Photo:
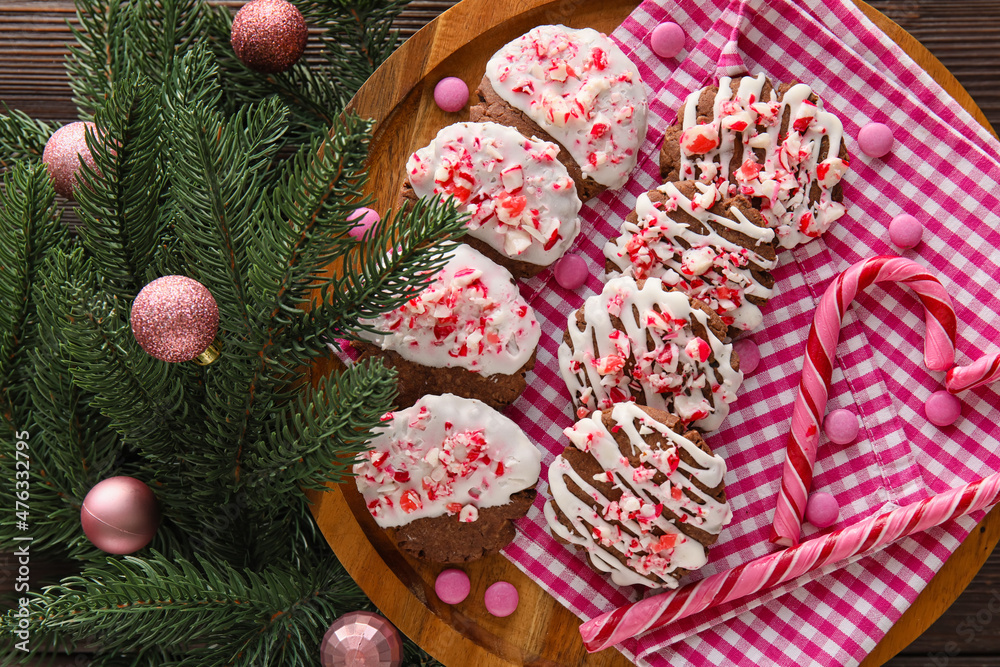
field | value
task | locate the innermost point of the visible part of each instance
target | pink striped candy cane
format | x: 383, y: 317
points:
x: 817, y: 371
x: 982, y: 371
x: 781, y: 566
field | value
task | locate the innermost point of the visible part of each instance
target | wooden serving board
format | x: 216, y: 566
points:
x: 399, y: 97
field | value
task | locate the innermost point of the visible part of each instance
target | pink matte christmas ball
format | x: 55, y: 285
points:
x: 451, y: 94
x: 119, y: 515
x: 667, y: 39
x: 875, y: 140
x: 362, y: 639
x: 174, y: 318
x: 62, y: 156
x: 269, y: 36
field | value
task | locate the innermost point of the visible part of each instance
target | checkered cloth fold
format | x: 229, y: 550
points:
x: 943, y: 170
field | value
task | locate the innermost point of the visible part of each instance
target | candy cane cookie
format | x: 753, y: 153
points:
x: 523, y: 205
x: 470, y: 333
x: 577, y: 89
x: 777, y: 146
x: 638, y: 341
x: 817, y: 371
x: 642, y: 495
x: 714, y: 248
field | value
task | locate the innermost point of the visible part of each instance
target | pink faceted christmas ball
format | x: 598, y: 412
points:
x: 269, y: 36
x: 174, y: 318
x: 361, y: 638
x: 120, y: 515
x: 62, y: 156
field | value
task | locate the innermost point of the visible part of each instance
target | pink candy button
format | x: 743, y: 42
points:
x: 452, y: 586
x: 875, y: 140
x: 841, y: 426
x: 905, y: 231
x: 501, y: 599
x: 365, y: 218
x: 667, y: 40
x: 571, y: 271
x: 451, y: 94
x: 942, y: 409
x: 822, y: 509
x: 749, y: 355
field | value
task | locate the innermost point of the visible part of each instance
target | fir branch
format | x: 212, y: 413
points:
x: 120, y: 200
x: 97, y: 59
x: 208, y: 612
x: 22, y: 139
x: 30, y: 229
x: 143, y: 398
x: 306, y: 231
x: 375, y: 281
x: 318, y: 441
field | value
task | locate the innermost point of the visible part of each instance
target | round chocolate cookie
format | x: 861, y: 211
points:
x: 575, y: 88
x: 447, y: 476
x: 522, y: 203
x: 715, y: 249
x: 642, y: 495
x: 642, y: 342
x: 470, y: 332
x: 776, y: 146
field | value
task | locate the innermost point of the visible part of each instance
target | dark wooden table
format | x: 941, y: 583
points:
x: 963, y: 34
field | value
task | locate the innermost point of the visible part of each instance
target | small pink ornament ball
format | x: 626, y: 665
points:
x: 501, y: 599
x: 749, y: 355
x: 269, y: 36
x: 875, y: 140
x: 571, y: 271
x: 364, y: 219
x: 361, y: 639
x: 943, y: 409
x: 667, y: 40
x: 120, y: 515
x: 175, y: 319
x: 841, y: 426
x: 62, y: 156
x: 822, y: 509
x: 451, y: 94
x: 452, y: 586
x: 905, y: 231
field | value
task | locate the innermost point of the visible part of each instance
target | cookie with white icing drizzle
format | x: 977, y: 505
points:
x: 573, y: 87
x: 777, y: 146
x: 447, y: 476
x: 642, y: 342
x: 640, y: 494
x: 470, y: 333
x: 715, y: 249
x: 523, y: 203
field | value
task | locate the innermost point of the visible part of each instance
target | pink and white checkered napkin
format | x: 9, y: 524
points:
x: 942, y: 170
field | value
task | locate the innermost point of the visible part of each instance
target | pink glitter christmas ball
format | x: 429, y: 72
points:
x: 174, y: 318
x: 269, y: 36
x: 62, y: 156
x: 120, y: 515
x: 361, y: 638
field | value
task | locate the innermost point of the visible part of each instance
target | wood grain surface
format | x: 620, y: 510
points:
x: 962, y: 34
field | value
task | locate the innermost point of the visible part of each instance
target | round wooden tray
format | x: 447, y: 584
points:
x: 399, y: 97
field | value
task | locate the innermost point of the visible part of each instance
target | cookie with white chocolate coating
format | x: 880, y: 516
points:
x: 641, y: 341
x: 777, y: 146
x: 642, y: 495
